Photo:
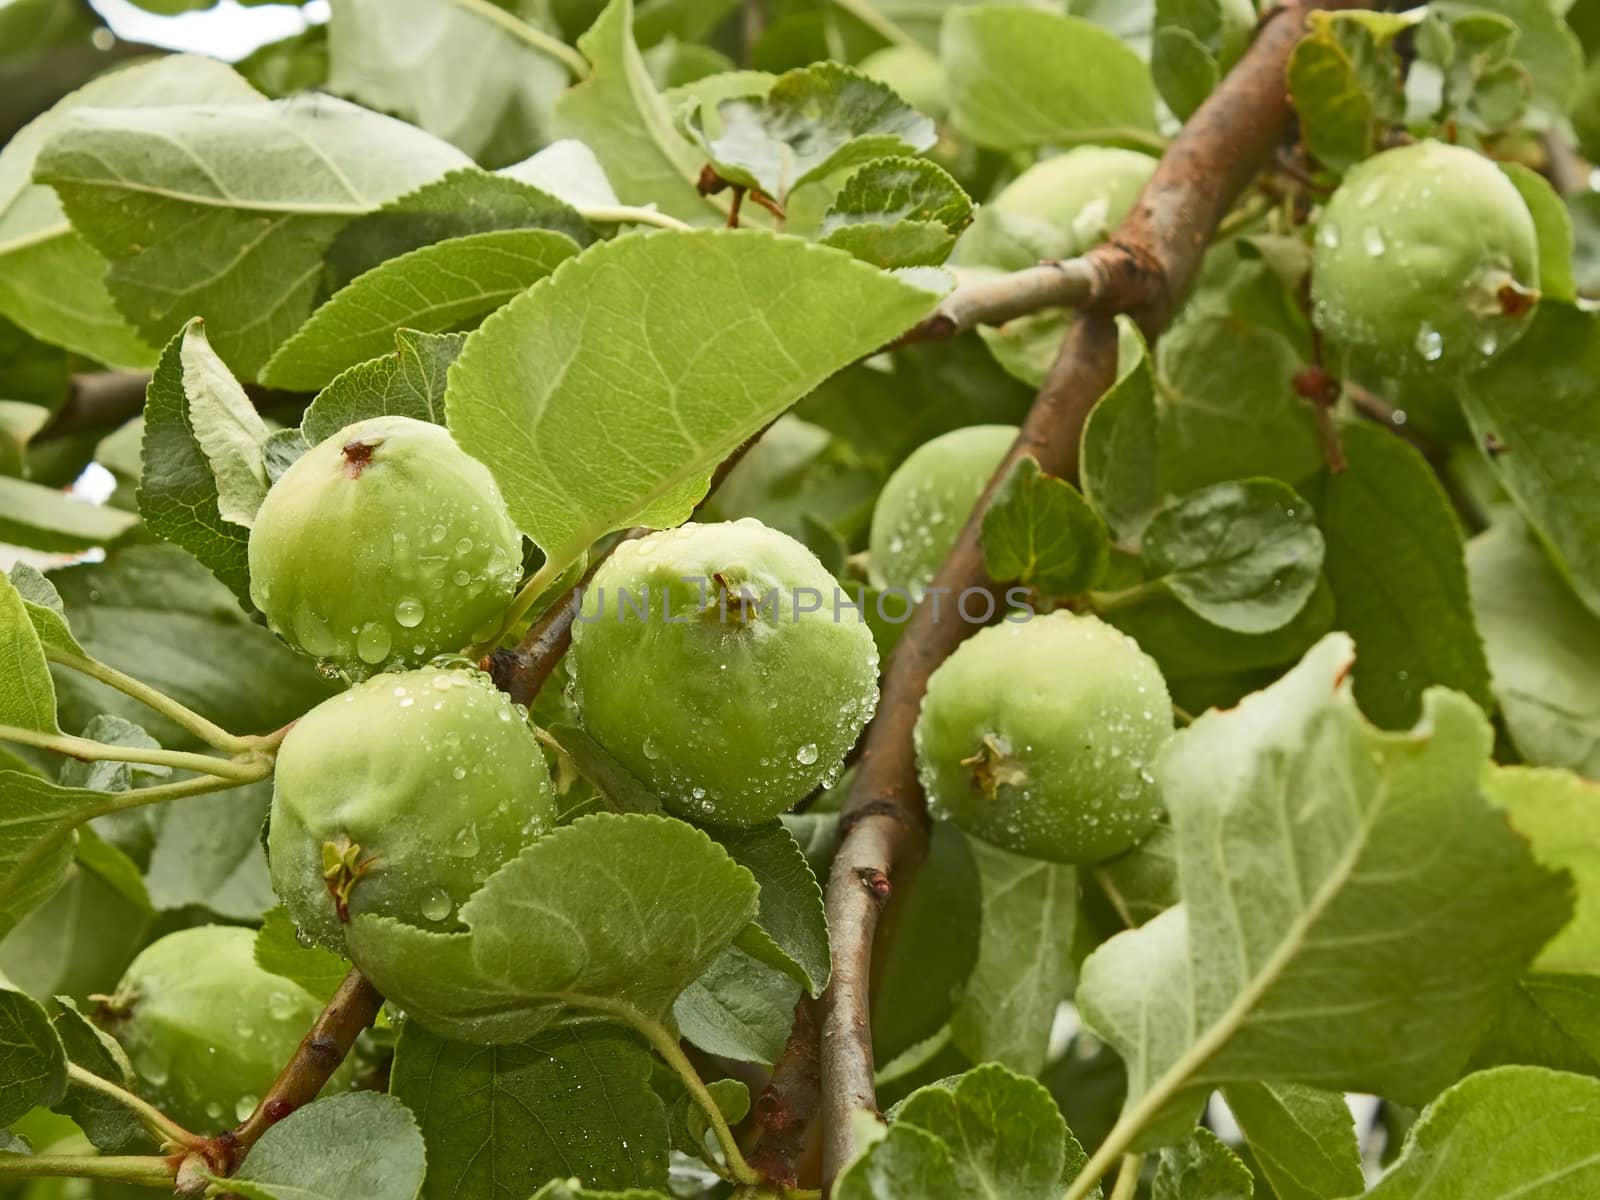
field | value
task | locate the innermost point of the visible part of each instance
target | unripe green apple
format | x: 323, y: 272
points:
x: 1057, y: 208
x: 1426, y: 261
x: 207, y: 1030
x: 927, y: 500
x: 383, y: 546
x: 711, y: 662
x: 1038, y: 736
x: 400, y: 797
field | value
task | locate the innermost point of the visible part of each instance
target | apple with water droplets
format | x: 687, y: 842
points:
x: 206, y: 1029
x: 1426, y: 262
x: 721, y: 665
x: 927, y: 500
x: 400, y: 797
x: 1039, y: 736
x: 383, y: 546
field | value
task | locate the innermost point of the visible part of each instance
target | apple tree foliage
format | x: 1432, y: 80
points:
x: 386, y: 336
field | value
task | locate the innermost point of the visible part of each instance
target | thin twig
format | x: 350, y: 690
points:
x: 1064, y: 283
x: 1147, y: 266
x: 156, y: 1122
x: 354, y: 1006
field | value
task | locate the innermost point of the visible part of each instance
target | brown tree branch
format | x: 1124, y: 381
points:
x: 1061, y: 283
x: 789, y: 1103
x: 354, y: 1006
x: 1144, y: 270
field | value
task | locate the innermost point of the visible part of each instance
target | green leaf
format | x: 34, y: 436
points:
x: 1345, y: 80
x: 1546, y: 49
x: 1202, y: 1168
x: 226, y: 428
x: 45, y: 609
x: 44, y: 518
x: 618, y: 113
x: 897, y: 212
x: 459, y: 204
x: 1025, y: 968
x: 1121, y: 464
x: 279, y: 950
x: 1023, y: 77
x: 154, y: 613
x: 813, y: 121
x: 1330, y: 872
x: 1500, y: 1133
x: 790, y: 931
x: 1004, y: 1133
x: 33, y: 1063
x: 887, y: 191
x: 178, y: 494
x: 208, y: 854
x: 570, y: 1102
x: 109, y: 1123
x: 907, y: 1164
x: 408, y: 382
x: 569, y: 171
x: 358, y: 1144
x: 441, y: 287
x: 691, y: 1129
x: 583, y: 440
x: 738, y: 1008
x: 1534, y: 411
x: 1039, y: 531
x: 1303, y: 1140
x: 1548, y: 1021
x: 1397, y: 568
x: 419, y: 76
x: 28, y: 701
x: 1184, y: 72
x: 1554, y: 226
x: 51, y: 278
x: 1543, y: 647
x: 612, y: 915
x: 1559, y: 814
x: 621, y: 790
x: 225, y: 214
x: 1243, y: 555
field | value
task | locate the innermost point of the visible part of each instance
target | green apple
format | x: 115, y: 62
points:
x: 206, y: 1029
x: 383, y: 546
x: 1038, y: 736
x: 400, y: 797
x: 1426, y: 262
x: 711, y: 661
x: 926, y: 501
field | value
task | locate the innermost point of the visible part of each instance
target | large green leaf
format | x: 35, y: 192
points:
x: 1543, y: 647
x: 1024, y: 967
x: 619, y: 114
x: 45, y: 518
x: 811, y: 122
x: 570, y: 1102
x: 409, y: 382
x: 225, y: 214
x: 1303, y: 1140
x: 1535, y: 409
x: 1559, y: 814
x: 28, y: 701
x: 1330, y: 874
x: 36, y: 839
x: 33, y: 1063
x: 50, y: 277
x: 612, y: 915
x: 1201, y: 1168
x: 790, y: 931
x: 1512, y: 1131
x: 1023, y: 77
x: 358, y: 1144
x: 1244, y: 555
x: 1397, y: 568
x: 724, y: 329
x: 448, y: 285
x: 1039, y: 531
x: 412, y: 58
x: 738, y: 1008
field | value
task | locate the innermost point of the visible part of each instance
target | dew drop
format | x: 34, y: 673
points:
x: 464, y: 546
x: 436, y: 905
x: 465, y: 844
x: 1429, y: 343
x: 462, y: 578
x: 1328, y: 234
x: 408, y: 612
x: 458, y: 774
x: 373, y: 643
x: 1372, y: 239
x: 246, y: 1105
x: 807, y: 754
x: 651, y: 750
